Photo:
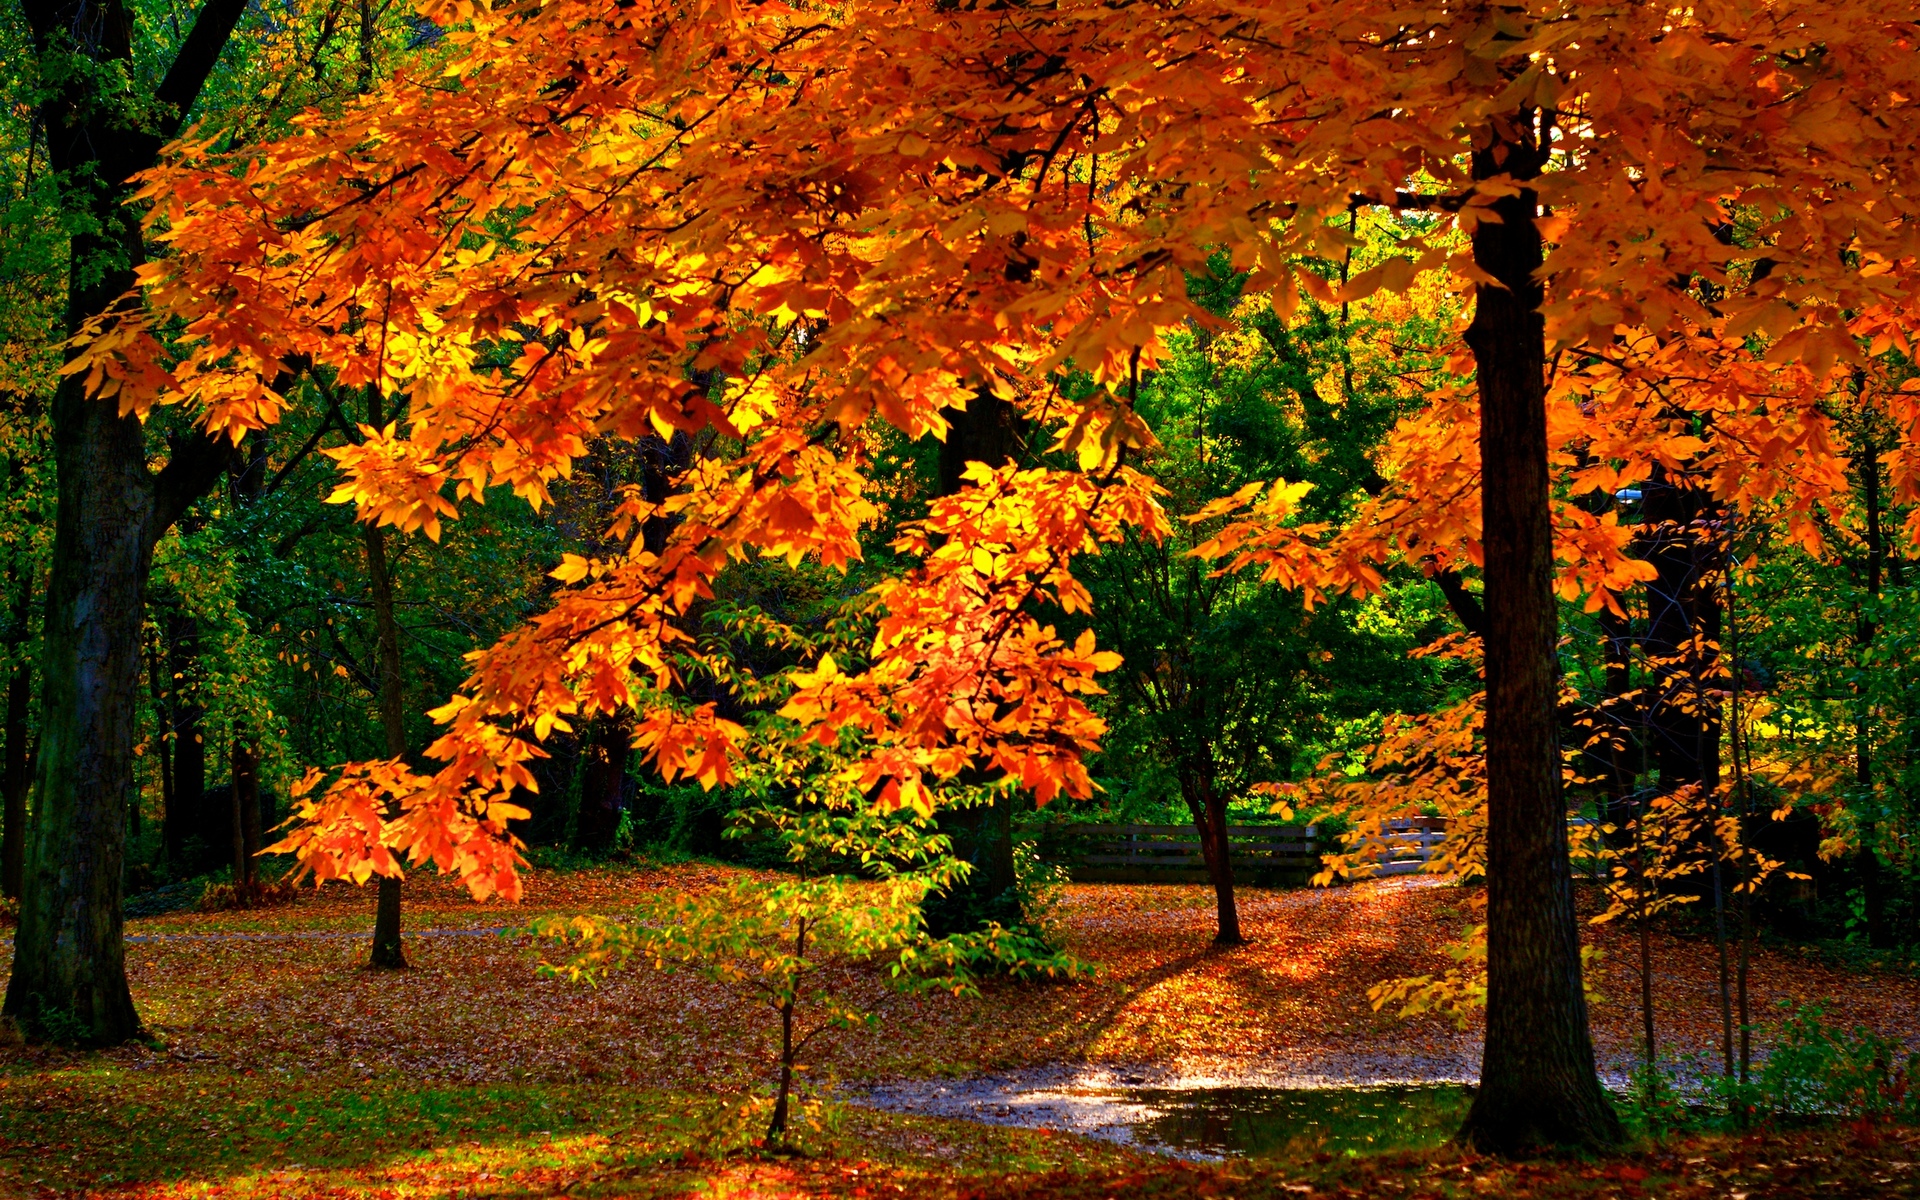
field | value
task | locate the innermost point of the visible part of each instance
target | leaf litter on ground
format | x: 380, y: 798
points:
x: 472, y: 1053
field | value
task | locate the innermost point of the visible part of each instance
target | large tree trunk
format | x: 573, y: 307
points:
x: 1538, y: 1085
x: 983, y: 835
x: 69, y: 976
x: 69, y: 979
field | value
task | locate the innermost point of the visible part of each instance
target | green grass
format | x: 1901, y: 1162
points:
x: 93, y: 1123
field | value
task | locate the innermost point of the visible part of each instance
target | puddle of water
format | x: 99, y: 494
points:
x: 1261, y: 1122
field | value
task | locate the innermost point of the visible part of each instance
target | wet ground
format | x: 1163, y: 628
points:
x: 1196, y: 1117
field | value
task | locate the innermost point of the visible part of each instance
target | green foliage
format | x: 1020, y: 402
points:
x: 1250, y: 399
x: 1814, y: 1069
x: 1040, y: 887
x: 1652, y: 1104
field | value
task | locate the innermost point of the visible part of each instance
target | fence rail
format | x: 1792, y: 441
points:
x: 1411, y: 844
x: 1261, y: 854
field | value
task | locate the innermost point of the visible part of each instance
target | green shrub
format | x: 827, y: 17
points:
x: 1817, y: 1070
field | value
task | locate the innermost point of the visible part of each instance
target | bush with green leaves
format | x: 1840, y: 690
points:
x: 1812, y: 1070
x: 1816, y: 1069
x: 856, y: 880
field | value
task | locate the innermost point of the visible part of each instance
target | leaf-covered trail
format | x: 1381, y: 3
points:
x: 1291, y: 1005
x: 287, y: 1071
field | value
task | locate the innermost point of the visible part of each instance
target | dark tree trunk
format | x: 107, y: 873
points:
x: 186, y: 819
x: 162, y: 742
x: 1648, y: 1044
x: 554, y: 774
x: 987, y: 432
x: 246, y: 810
x: 69, y: 978
x: 603, y: 786
x: 16, y: 769
x: 777, y: 1125
x: 387, y: 953
x: 1538, y: 1085
x: 69, y: 974
x: 1683, y: 632
x: 17, y: 782
x: 1617, y: 722
x: 662, y: 462
x: 1867, y: 861
x: 1209, y: 808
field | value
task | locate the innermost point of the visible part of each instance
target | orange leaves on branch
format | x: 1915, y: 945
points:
x: 1288, y: 554
x: 697, y: 746
x: 393, y: 481
x: 776, y: 226
x: 377, y: 812
x: 962, y: 672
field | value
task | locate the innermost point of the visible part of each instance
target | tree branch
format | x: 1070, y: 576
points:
x: 1413, y: 201
x: 196, y: 462
x: 1463, y: 602
x: 196, y: 59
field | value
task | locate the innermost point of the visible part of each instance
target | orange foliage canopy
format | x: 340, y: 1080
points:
x: 782, y: 221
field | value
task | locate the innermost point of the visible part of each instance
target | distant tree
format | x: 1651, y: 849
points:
x: 1226, y: 682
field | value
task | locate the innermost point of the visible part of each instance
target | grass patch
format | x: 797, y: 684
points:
x: 92, y: 1125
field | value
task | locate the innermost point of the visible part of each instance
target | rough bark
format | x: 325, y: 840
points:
x: 69, y: 978
x: 982, y: 835
x: 1538, y: 1085
x: 69, y: 975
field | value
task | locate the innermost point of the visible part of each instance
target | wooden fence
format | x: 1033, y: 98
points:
x: 1411, y: 844
x: 1262, y: 855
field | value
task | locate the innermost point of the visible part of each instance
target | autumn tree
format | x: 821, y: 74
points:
x: 611, y: 211
x: 106, y: 85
